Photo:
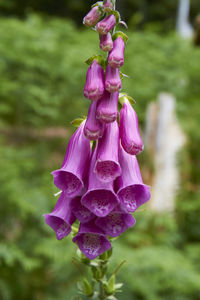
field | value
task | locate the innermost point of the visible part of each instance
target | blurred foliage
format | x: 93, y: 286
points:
x: 42, y: 77
x: 139, y: 13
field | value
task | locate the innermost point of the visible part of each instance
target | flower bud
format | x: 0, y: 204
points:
x: 108, y: 4
x: 129, y: 129
x: 93, y: 129
x: 107, y: 166
x: 91, y: 240
x: 112, y: 79
x: 116, y: 55
x: 94, y: 87
x: 104, y: 26
x: 107, y: 108
x: 132, y: 192
x: 69, y: 177
x: 106, y: 42
x: 92, y: 17
x: 61, y: 218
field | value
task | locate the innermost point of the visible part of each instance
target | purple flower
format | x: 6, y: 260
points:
x: 69, y: 177
x: 108, y: 4
x: 94, y: 87
x: 61, y: 218
x: 91, y: 240
x: 115, y: 223
x: 107, y: 109
x: 106, y: 42
x: 104, y: 26
x: 131, y: 191
x: 93, y: 129
x: 81, y: 212
x: 107, y: 167
x: 92, y: 17
x: 100, y: 197
x: 129, y: 130
x: 116, y: 55
x: 112, y: 79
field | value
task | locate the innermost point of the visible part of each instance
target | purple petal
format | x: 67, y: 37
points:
x: 69, y: 177
x: 131, y: 191
x: 100, y: 198
x: 61, y: 218
x: 129, y: 130
x: 93, y: 129
x: 112, y: 79
x: 106, y: 42
x: 104, y: 26
x: 115, y: 223
x: 81, y: 212
x: 107, y: 166
x: 94, y: 86
x: 107, y: 109
x: 116, y: 55
x: 91, y: 240
x: 92, y: 17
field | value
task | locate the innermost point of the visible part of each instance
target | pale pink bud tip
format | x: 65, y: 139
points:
x: 104, y: 26
x: 92, y: 17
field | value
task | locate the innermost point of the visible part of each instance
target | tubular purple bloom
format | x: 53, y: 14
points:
x: 94, y: 86
x: 112, y: 79
x: 91, y: 240
x: 115, y: 223
x: 116, y: 55
x: 129, y: 130
x: 107, y: 166
x: 131, y: 191
x: 107, y: 109
x: 106, y: 42
x: 81, y: 212
x: 69, y: 177
x: 104, y: 26
x: 100, y: 197
x: 93, y: 129
x: 92, y: 17
x: 61, y: 218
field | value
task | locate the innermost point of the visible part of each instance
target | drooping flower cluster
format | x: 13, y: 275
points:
x: 100, y: 179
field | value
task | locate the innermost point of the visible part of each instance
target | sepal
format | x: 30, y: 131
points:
x: 123, y: 97
x: 117, y: 16
x: 120, y: 34
x: 98, y: 58
x: 77, y: 122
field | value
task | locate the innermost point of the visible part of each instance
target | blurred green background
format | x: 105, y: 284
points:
x: 43, y: 46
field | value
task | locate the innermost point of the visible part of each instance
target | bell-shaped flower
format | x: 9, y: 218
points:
x: 92, y: 17
x: 112, y: 79
x: 83, y: 214
x: 106, y: 25
x: 93, y: 129
x: 61, y: 218
x: 107, y: 108
x: 94, y: 86
x: 91, y: 240
x: 116, y: 55
x: 131, y: 190
x: 100, y: 198
x: 107, y: 167
x: 69, y: 177
x: 129, y: 129
x: 115, y: 223
x: 106, y: 42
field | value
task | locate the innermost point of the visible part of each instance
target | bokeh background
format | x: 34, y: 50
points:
x: 43, y: 46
